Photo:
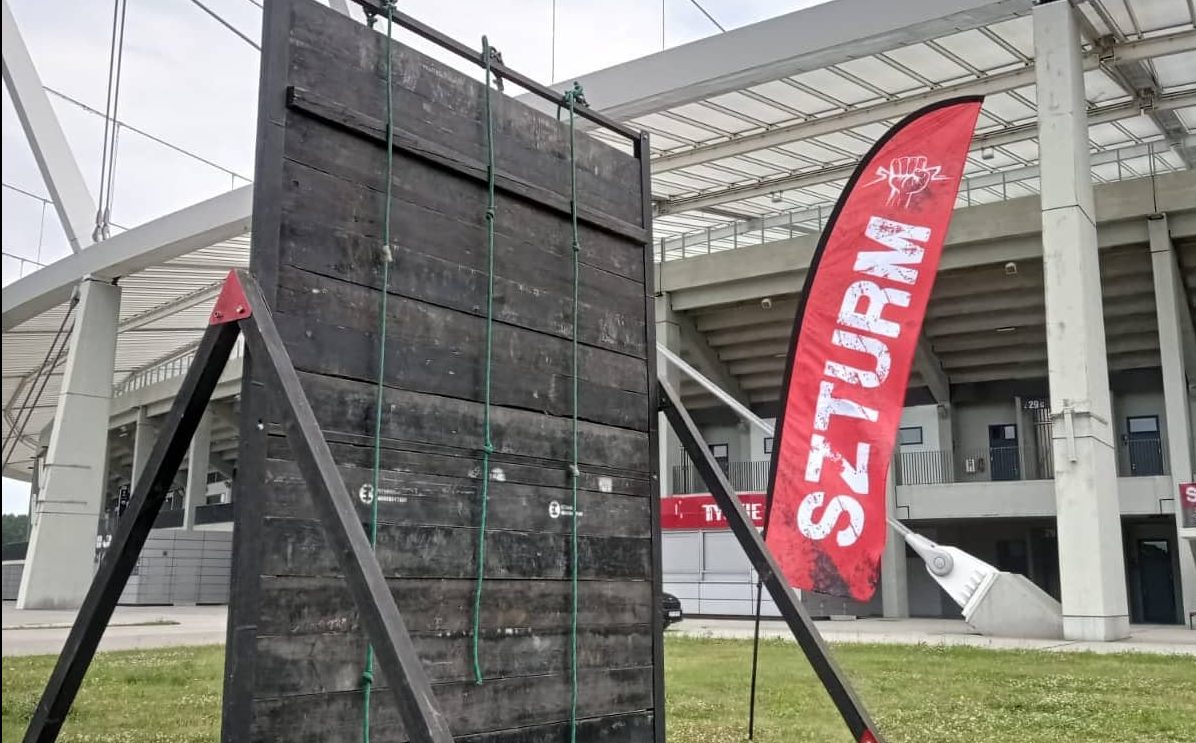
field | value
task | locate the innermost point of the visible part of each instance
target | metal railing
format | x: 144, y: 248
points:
x: 1144, y: 457
x: 176, y: 366
x: 1026, y: 461
x: 811, y: 219
x: 743, y: 476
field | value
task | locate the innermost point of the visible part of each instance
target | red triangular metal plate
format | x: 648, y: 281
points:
x: 231, y: 305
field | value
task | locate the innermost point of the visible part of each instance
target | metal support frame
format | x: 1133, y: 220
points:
x: 68, y: 191
x: 832, y: 677
x: 334, y: 507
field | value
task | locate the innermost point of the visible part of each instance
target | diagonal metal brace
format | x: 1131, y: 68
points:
x: 832, y: 677
x: 379, y: 614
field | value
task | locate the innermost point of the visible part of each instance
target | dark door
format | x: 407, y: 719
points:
x: 1145, y: 445
x: 1002, y: 452
x: 1044, y: 545
x: 1157, y: 581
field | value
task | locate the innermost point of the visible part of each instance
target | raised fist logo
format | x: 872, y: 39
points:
x: 907, y: 176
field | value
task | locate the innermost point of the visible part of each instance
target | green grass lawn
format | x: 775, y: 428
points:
x: 916, y: 694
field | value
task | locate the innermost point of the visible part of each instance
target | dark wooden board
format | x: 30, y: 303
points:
x: 447, y: 107
x: 434, y: 350
x: 296, y: 642
x: 460, y: 202
x: 345, y: 405
x: 298, y: 547
x: 333, y: 235
x: 298, y: 605
x: 497, y: 705
x: 327, y: 663
x: 422, y: 459
x: 440, y: 500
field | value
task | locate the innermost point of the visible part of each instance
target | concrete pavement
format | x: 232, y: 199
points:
x: 133, y: 627
x: 1162, y: 639
x: 38, y: 632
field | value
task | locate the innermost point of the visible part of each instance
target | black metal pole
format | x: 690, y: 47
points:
x: 376, y: 606
x: 833, y: 680
x: 131, y: 532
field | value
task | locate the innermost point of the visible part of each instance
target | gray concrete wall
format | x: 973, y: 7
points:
x: 1138, y: 496
x: 12, y: 578
x: 181, y: 566
x: 972, y: 420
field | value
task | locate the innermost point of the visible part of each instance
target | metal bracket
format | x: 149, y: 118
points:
x: 379, y: 614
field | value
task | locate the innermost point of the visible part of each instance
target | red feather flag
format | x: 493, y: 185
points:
x: 856, y: 330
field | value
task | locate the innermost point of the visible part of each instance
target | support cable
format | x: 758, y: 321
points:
x: 41, y: 377
x: 220, y: 19
x: 487, y: 441
x: 151, y: 137
x: 116, y: 55
x: 709, y: 17
x: 367, y: 674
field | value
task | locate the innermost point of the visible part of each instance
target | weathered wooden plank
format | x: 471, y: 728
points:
x: 438, y: 500
x: 299, y: 547
x: 297, y: 605
x: 306, y: 664
x: 458, y: 203
x: 333, y: 235
x: 446, y: 106
x: 349, y: 406
x: 369, y: 127
x: 634, y: 727
x: 496, y: 705
x: 425, y: 459
x: 439, y: 351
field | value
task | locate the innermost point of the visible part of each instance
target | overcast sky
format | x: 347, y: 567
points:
x: 191, y: 82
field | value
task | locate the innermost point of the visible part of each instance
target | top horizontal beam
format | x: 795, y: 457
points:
x: 804, y: 40
x: 197, y: 226
x: 541, y: 91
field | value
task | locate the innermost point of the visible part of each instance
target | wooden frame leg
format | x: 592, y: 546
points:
x: 131, y: 532
x: 379, y: 613
x: 795, y: 615
x: 332, y: 502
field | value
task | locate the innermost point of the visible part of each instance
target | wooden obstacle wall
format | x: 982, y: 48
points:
x: 296, y: 651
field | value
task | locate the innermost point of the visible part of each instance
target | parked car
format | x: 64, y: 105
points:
x: 671, y: 606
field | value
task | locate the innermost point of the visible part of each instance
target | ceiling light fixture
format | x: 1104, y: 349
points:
x: 1006, y: 329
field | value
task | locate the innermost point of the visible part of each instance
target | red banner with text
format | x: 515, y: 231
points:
x: 701, y: 512
x: 855, y: 336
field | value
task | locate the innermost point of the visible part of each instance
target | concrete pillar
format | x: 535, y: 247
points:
x: 668, y: 334
x: 144, y: 436
x: 1170, y: 302
x: 197, y: 470
x: 894, y: 577
x: 1091, y: 559
x: 61, y: 557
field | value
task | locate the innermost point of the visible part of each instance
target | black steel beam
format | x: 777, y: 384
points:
x: 131, y: 532
x: 501, y: 70
x: 334, y: 506
x: 794, y: 614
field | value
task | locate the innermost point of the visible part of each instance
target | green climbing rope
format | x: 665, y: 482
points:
x: 487, y: 442
x: 574, y: 98
x: 367, y: 674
